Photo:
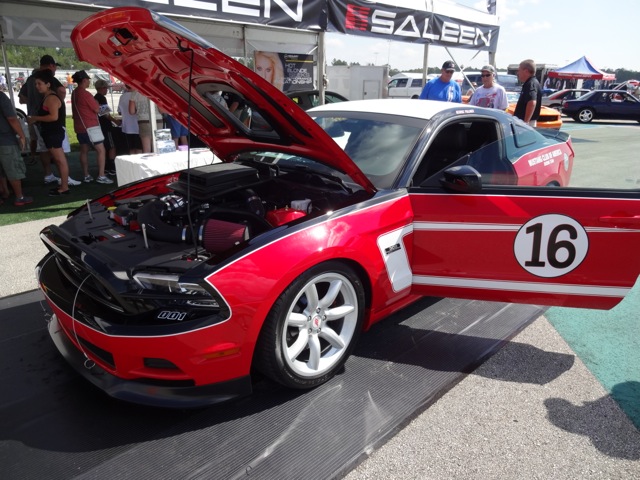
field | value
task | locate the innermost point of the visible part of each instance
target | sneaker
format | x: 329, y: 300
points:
x: 104, y: 179
x: 55, y: 193
x: 23, y: 201
x: 51, y: 179
x: 88, y: 179
x: 111, y: 173
x: 71, y: 182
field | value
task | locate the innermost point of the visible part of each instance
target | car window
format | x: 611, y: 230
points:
x: 476, y: 143
x: 398, y: 82
x: 510, y: 82
x: 378, y: 147
x: 328, y: 98
x: 416, y: 82
x: 523, y: 135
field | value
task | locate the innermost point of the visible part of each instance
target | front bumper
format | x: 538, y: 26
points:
x: 146, y: 393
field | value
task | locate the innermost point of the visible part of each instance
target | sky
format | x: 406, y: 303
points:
x: 547, y: 31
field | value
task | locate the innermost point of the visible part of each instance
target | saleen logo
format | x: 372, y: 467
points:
x: 386, y: 22
x: 251, y: 8
x: 169, y: 315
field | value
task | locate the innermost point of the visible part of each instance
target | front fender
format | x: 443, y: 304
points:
x: 253, y: 283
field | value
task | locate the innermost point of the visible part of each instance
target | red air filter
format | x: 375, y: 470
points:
x: 218, y: 235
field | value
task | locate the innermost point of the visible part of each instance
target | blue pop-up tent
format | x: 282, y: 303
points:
x: 581, y: 69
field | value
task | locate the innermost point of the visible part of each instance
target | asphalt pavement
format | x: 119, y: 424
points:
x: 517, y: 416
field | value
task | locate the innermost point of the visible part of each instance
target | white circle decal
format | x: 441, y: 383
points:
x: 551, y: 245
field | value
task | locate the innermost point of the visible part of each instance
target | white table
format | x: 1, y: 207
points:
x: 130, y: 168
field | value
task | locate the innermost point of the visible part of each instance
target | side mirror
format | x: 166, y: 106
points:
x: 463, y: 179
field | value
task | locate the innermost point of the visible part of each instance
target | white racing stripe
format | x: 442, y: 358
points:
x: 534, y: 287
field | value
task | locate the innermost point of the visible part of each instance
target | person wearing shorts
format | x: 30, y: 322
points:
x: 12, y: 141
x: 50, y: 119
x: 85, y: 110
x: 129, y: 123
x: 106, y: 122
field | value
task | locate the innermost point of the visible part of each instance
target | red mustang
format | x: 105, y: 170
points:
x: 172, y: 290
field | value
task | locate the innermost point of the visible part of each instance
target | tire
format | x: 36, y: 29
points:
x: 585, y: 115
x: 312, y: 327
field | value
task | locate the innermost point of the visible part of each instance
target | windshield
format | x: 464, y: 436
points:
x: 379, y: 148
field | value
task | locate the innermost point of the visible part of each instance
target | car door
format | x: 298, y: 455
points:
x: 544, y: 246
x: 478, y: 238
x: 628, y: 108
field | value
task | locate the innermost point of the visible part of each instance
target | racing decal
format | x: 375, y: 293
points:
x: 395, y: 257
x: 550, y: 246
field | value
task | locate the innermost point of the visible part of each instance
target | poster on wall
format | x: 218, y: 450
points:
x: 288, y: 72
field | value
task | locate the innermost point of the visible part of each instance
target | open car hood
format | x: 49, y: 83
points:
x: 175, y: 68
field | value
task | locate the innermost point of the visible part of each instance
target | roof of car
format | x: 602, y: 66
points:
x: 424, y: 109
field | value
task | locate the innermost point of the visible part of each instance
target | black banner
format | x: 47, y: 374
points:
x: 358, y: 17
x: 301, y: 14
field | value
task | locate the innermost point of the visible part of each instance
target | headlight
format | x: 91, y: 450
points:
x: 171, y: 284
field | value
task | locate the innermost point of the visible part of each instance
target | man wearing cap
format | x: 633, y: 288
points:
x: 443, y: 88
x: 33, y: 99
x: 528, y: 106
x: 490, y: 94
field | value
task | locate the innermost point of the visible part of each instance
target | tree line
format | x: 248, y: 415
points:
x: 622, y: 74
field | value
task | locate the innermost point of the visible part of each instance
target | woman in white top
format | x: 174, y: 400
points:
x: 140, y: 106
x: 129, y: 123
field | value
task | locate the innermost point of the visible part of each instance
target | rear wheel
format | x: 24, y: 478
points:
x: 585, y: 115
x: 313, y: 327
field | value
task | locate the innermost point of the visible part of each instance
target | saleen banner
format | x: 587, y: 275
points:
x: 357, y: 17
x: 299, y: 14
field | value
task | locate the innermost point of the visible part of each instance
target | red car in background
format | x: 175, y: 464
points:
x: 174, y: 290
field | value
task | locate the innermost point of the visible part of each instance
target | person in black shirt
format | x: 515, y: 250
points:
x: 30, y: 96
x: 51, y: 119
x: 106, y: 122
x: 530, y: 101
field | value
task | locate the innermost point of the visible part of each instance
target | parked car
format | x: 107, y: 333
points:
x: 174, y: 290
x: 603, y: 105
x: 311, y: 98
x: 556, y: 99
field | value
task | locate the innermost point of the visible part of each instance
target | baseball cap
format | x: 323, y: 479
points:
x: 488, y: 68
x: 79, y: 76
x: 102, y: 84
x: 448, y: 65
x: 48, y: 60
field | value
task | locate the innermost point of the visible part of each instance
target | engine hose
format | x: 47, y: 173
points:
x: 150, y: 214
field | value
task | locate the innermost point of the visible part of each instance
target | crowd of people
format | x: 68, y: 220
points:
x: 490, y: 94
x: 94, y: 124
x: 93, y: 121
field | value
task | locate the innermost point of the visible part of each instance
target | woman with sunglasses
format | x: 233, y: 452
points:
x: 490, y: 94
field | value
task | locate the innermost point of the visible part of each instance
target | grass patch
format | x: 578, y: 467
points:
x: 43, y: 205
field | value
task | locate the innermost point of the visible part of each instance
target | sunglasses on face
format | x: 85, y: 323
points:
x: 485, y: 75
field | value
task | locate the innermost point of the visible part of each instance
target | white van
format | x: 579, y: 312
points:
x: 406, y: 85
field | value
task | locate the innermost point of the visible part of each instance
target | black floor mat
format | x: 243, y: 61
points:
x: 54, y: 425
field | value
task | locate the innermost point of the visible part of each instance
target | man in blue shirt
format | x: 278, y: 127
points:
x: 443, y: 88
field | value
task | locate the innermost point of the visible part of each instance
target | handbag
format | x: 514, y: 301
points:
x: 95, y: 133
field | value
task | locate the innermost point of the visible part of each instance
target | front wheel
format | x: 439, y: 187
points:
x: 313, y: 327
x: 585, y: 115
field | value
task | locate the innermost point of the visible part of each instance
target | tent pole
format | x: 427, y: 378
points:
x: 425, y: 63
x: 322, y: 74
